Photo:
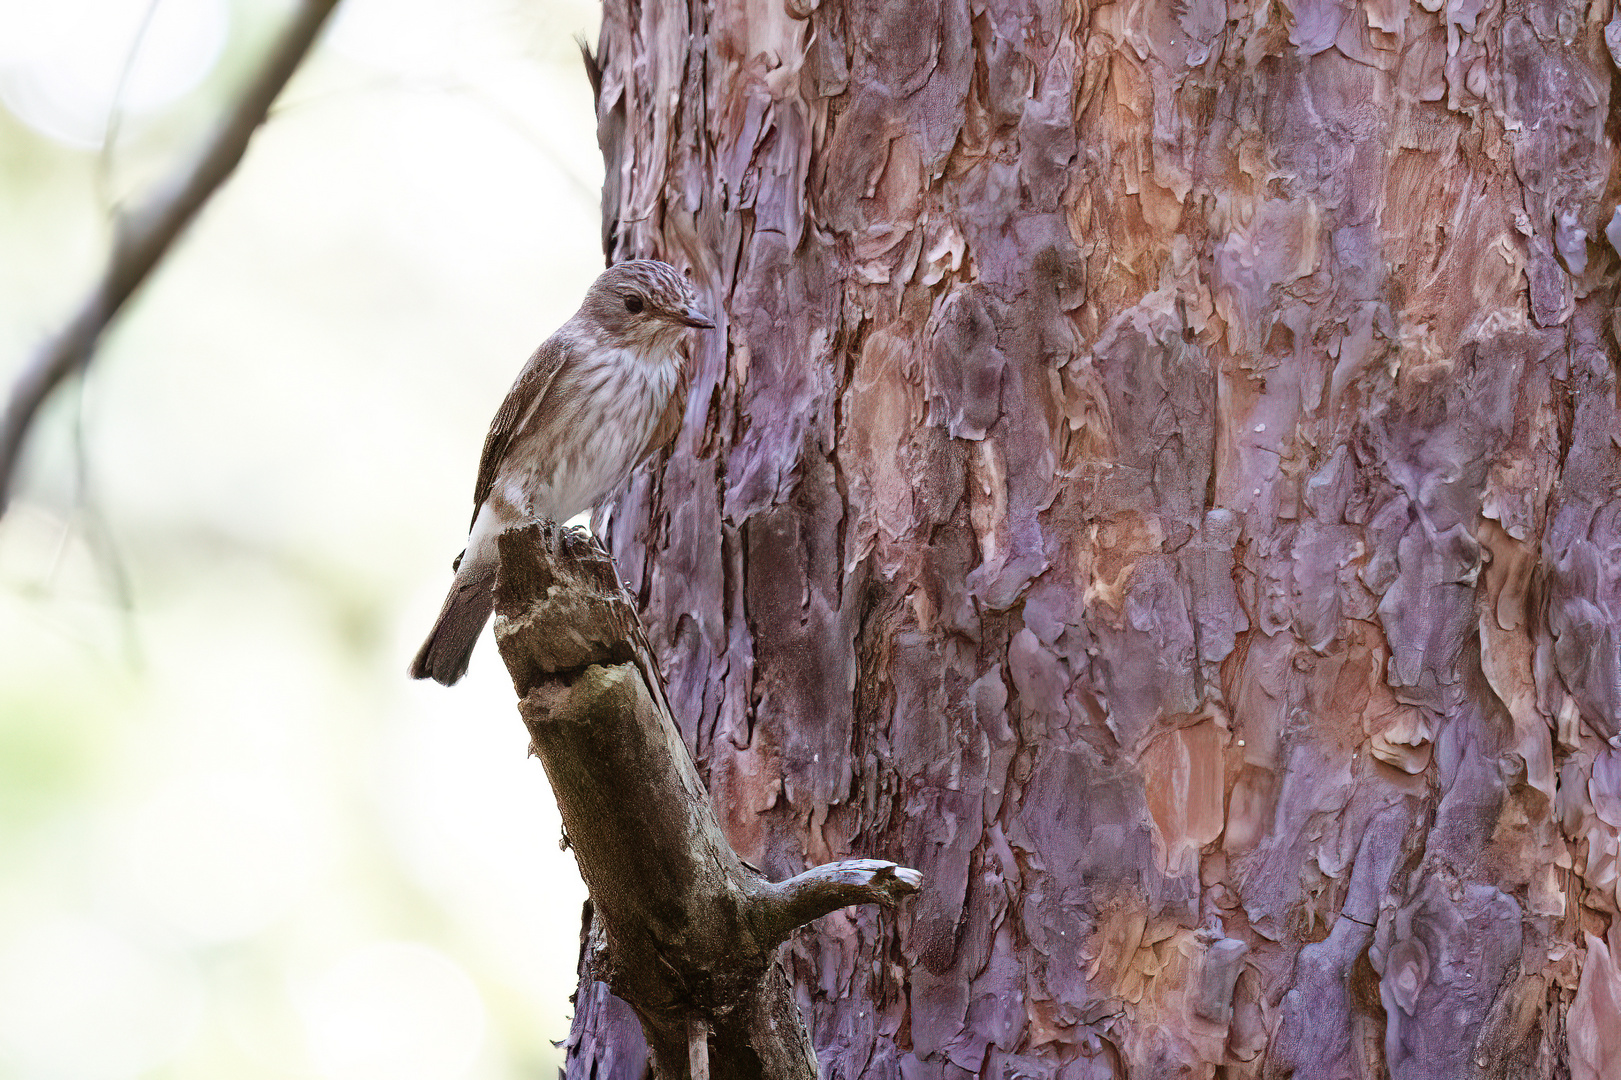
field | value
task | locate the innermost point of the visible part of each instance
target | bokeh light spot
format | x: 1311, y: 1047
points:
x: 394, y: 1011
x: 61, y: 63
x: 79, y: 1000
x: 224, y: 856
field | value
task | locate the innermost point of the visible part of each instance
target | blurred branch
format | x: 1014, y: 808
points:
x: 115, y: 114
x: 144, y: 236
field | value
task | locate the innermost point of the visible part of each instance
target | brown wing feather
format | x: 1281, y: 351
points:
x: 527, y: 390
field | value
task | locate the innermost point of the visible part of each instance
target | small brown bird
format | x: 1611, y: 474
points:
x: 607, y: 389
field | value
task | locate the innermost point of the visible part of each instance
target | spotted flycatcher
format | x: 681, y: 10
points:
x: 607, y: 389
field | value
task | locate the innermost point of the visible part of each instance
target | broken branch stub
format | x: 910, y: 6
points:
x: 691, y: 930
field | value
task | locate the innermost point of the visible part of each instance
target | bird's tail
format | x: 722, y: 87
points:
x: 443, y: 657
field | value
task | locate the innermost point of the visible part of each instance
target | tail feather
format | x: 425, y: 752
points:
x: 443, y: 657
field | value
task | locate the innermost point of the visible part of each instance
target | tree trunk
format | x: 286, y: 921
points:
x: 1158, y: 477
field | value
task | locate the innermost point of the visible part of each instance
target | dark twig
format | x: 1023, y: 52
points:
x: 787, y: 905
x: 142, y: 237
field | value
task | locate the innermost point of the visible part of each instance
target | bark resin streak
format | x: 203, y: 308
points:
x: 1159, y: 480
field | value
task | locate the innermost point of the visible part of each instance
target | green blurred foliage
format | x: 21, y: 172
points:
x: 234, y: 840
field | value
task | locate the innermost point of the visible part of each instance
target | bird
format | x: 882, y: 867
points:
x: 607, y: 389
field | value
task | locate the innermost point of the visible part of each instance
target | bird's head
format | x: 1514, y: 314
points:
x: 643, y: 304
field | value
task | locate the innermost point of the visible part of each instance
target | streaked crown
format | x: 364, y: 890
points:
x: 644, y: 303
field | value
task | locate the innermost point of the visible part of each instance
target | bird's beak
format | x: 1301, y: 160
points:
x: 695, y: 318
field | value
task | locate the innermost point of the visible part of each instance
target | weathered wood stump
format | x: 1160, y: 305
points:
x: 680, y: 928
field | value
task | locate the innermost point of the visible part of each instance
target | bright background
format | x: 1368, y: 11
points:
x: 235, y: 840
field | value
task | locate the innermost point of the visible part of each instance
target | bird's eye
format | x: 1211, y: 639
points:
x: 633, y: 304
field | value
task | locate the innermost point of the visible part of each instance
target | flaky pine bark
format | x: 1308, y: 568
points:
x: 1159, y: 478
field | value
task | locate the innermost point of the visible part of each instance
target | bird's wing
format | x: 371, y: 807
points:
x: 675, y: 411
x: 527, y: 392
